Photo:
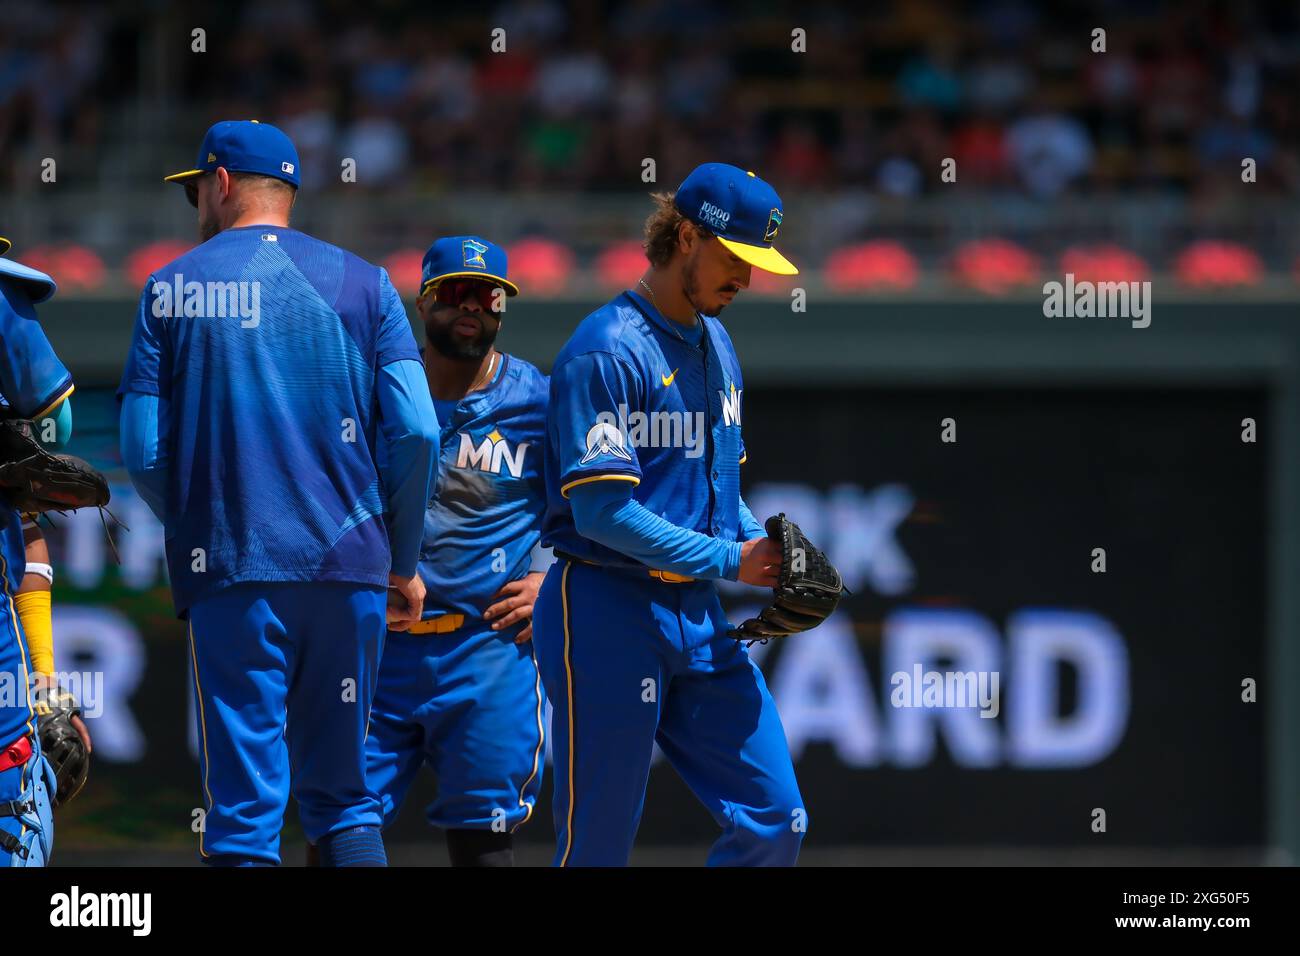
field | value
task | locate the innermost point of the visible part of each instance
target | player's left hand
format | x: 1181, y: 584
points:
x: 514, y: 602
x: 44, y: 684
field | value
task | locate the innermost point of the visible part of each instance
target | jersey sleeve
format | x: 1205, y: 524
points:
x: 750, y: 527
x: 396, y: 341
x: 144, y: 363
x: 32, y: 378
x: 542, y: 397
x: 590, y: 395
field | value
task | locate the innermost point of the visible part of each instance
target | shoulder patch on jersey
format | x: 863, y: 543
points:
x: 605, y: 438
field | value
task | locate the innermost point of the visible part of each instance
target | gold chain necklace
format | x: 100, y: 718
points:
x: 492, y: 363
x: 671, y: 324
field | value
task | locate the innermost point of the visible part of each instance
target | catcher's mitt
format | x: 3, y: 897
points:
x: 807, y: 591
x: 34, y: 480
x: 61, y: 745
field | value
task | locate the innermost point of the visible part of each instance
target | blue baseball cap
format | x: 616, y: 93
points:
x: 245, y: 146
x: 743, y: 211
x: 458, y: 256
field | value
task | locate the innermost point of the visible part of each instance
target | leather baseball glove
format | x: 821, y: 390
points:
x: 807, y: 591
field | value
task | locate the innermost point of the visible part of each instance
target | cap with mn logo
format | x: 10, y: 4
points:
x: 245, y: 146
x: 743, y: 211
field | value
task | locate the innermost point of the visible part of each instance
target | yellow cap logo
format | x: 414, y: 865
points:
x: 212, y: 157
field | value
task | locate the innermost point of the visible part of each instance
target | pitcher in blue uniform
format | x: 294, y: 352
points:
x: 33, y: 384
x: 644, y: 513
x: 274, y: 413
x: 460, y: 689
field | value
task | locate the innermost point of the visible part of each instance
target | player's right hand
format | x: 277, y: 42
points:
x: 405, y: 601
x: 760, y: 562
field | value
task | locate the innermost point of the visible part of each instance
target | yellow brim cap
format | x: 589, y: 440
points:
x: 762, y: 257
x: 181, y: 177
x: 5, y: 245
x: 510, y: 287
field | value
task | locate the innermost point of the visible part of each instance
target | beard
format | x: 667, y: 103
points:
x: 447, y: 344
x: 207, y: 228
x: 691, y: 289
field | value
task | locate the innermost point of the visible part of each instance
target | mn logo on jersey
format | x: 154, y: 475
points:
x: 605, y: 438
x: 473, y: 251
x: 773, y: 224
x: 491, y: 453
x: 730, y: 405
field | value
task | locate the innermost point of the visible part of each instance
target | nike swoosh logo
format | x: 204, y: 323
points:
x: 668, y: 379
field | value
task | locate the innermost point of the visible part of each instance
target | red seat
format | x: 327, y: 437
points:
x: 149, y: 259
x: 994, y: 266
x: 618, y: 266
x: 540, y: 266
x: 75, y: 268
x: 1211, y: 264
x: 878, y: 264
x: 404, y: 269
x: 1104, y: 262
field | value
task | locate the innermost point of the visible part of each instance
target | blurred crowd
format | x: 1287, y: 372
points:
x: 584, y: 92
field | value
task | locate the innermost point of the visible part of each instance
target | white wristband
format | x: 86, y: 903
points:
x: 44, y: 570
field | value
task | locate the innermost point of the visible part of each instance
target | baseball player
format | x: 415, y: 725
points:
x: 644, y: 513
x: 273, y: 405
x: 460, y: 689
x: 33, y: 384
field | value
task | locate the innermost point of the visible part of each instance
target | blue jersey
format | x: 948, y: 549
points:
x: 32, y: 381
x: 265, y: 345
x: 632, y: 400
x: 485, y: 516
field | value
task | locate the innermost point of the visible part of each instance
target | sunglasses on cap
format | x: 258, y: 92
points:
x: 192, y: 190
x: 455, y: 291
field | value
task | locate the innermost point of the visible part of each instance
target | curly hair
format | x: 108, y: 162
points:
x: 661, y: 228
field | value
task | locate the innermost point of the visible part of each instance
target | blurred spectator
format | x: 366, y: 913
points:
x: 573, y: 83
x: 378, y: 144
x: 1049, y: 150
x: 584, y: 93
x: 980, y: 148
x: 997, y: 84
x: 799, y: 157
x: 931, y: 79
x: 306, y: 119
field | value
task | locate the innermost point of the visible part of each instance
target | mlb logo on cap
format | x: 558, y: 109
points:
x: 245, y: 146
x: 743, y: 211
